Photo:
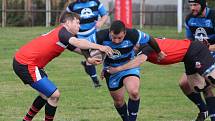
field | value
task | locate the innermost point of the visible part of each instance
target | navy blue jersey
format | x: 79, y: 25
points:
x: 124, y: 51
x: 89, y: 12
x: 199, y: 28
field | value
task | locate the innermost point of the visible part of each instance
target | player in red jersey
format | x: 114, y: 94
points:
x: 31, y: 58
x: 199, y: 63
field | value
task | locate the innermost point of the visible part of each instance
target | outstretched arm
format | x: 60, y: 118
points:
x: 136, y: 62
x: 161, y: 55
x: 84, y: 44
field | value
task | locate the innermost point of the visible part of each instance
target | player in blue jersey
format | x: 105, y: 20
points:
x: 200, y: 26
x: 122, y: 41
x: 93, y: 15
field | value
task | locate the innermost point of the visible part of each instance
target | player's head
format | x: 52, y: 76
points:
x: 71, y: 21
x: 117, y: 31
x: 197, y: 6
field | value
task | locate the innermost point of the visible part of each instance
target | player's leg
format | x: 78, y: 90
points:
x: 210, y: 76
x: 24, y: 74
x: 47, y: 88
x: 91, y: 71
x: 132, y: 84
x: 119, y: 103
x: 117, y: 91
x: 198, y: 84
x: 195, y: 97
x: 37, y: 104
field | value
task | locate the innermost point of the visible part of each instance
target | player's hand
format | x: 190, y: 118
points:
x: 98, y: 24
x: 161, y: 56
x: 94, y: 61
x: 112, y: 70
x: 107, y: 50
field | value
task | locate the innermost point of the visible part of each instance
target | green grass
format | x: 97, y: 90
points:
x: 161, y: 98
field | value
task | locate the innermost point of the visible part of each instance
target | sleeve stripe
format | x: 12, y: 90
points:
x: 100, y: 6
x: 68, y: 10
x: 94, y: 38
x: 139, y: 36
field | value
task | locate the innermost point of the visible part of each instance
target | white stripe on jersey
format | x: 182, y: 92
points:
x: 37, y: 73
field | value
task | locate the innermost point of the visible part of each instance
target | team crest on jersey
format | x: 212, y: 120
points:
x: 86, y: 13
x: 116, y: 54
x: 201, y: 34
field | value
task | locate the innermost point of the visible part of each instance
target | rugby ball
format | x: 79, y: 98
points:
x: 97, y: 54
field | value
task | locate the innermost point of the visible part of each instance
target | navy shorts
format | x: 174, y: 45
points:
x: 198, y: 59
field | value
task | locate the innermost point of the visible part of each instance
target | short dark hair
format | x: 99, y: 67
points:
x: 117, y: 27
x: 68, y: 16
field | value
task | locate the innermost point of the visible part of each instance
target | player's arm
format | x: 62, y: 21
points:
x: 136, y: 62
x: 155, y: 46
x: 91, y: 60
x: 101, y: 21
x: 104, y: 16
x: 84, y: 44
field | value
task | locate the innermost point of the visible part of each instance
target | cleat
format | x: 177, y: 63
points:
x: 97, y: 84
x: 202, y: 116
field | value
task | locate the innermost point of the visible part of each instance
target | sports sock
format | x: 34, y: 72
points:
x: 133, y: 107
x: 197, y: 99
x: 211, y: 107
x: 38, y: 103
x: 123, y: 112
x: 91, y: 71
x: 49, y: 112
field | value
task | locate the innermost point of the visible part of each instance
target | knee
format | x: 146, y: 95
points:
x: 134, y: 94
x: 55, y: 96
x: 183, y: 83
x: 118, y: 102
x: 185, y: 86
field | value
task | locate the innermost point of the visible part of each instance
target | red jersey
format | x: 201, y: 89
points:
x: 174, y: 49
x: 43, y: 49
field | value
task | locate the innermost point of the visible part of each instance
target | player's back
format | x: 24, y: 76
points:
x: 41, y: 50
x: 174, y: 49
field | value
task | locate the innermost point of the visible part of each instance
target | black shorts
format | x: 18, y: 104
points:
x: 25, y: 73
x: 197, y: 59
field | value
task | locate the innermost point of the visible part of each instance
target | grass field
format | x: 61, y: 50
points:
x: 161, y: 98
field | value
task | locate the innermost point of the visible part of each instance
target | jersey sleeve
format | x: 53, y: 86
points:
x: 188, y: 32
x: 101, y: 9
x: 69, y: 8
x: 145, y: 49
x: 64, y: 36
x: 143, y: 38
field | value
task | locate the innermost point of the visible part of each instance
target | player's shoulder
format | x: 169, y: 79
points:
x: 72, y: 4
x: 132, y: 34
x: 211, y: 14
